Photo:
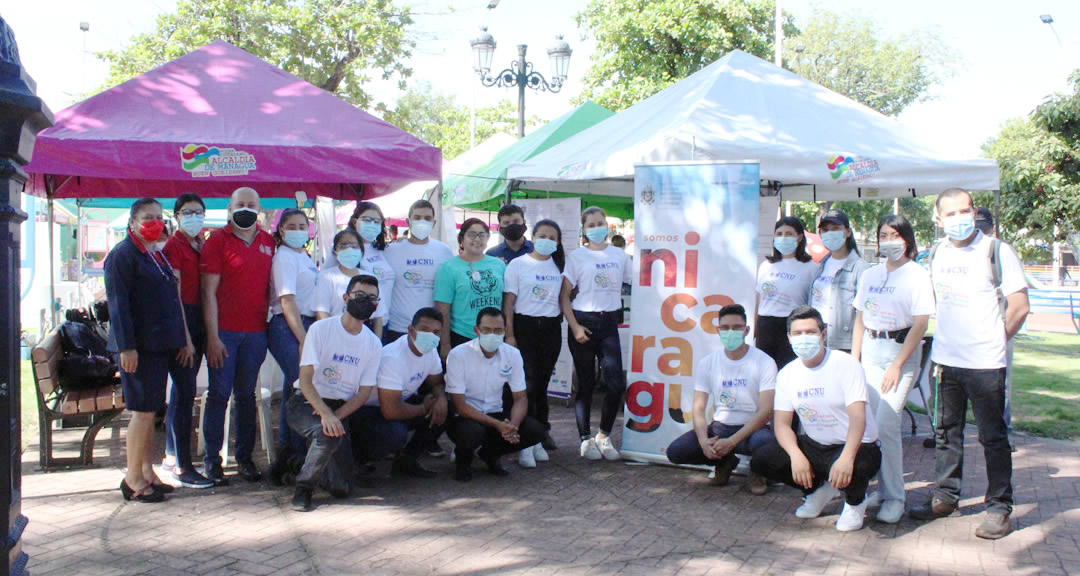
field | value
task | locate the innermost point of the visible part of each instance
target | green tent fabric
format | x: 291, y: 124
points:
x: 484, y: 188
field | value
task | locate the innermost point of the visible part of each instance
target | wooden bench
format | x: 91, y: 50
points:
x: 101, y: 405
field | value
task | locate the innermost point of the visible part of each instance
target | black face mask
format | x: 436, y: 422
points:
x: 244, y: 219
x: 512, y: 232
x: 361, y: 309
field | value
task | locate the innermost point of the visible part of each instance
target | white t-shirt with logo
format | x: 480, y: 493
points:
x: 970, y: 332
x: 293, y: 273
x: 784, y: 286
x: 343, y: 362
x: 735, y: 385
x: 402, y: 370
x: 821, y: 289
x: 890, y: 301
x: 535, y: 284
x: 598, y: 275
x: 415, y: 266
x: 820, y: 397
x: 375, y: 263
x: 330, y: 289
x: 480, y: 378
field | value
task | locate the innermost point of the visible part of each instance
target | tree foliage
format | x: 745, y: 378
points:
x: 865, y: 215
x: 850, y: 56
x: 333, y: 44
x: 644, y: 46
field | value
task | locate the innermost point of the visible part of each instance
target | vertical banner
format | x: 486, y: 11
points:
x: 696, y: 227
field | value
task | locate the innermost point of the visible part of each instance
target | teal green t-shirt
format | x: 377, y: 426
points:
x: 469, y: 287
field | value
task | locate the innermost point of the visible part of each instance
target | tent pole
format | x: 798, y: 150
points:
x: 79, y: 248
x: 52, y: 258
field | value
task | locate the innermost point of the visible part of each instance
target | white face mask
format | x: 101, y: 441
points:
x: 420, y: 229
x: 893, y: 250
x: 490, y: 342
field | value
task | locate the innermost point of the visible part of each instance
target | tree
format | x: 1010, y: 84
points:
x: 865, y: 215
x: 437, y: 119
x: 644, y: 46
x: 332, y: 44
x: 850, y: 57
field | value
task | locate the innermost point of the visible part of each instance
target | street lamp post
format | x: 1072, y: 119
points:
x: 520, y: 73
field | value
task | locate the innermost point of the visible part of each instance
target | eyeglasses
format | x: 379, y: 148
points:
x: 347, y: 246
x: 190, y: 213
x: 363, y: 297
x: 477, y: 235
x: 370, y: 220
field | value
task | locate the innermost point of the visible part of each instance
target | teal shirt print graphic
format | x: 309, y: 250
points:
x: 469, y: 288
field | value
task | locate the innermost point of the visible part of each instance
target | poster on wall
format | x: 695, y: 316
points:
x: 696, y: 235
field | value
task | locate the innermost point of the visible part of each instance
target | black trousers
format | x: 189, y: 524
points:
x: 773, y: 462
x: 469, y: 436
x: 603, y: 344
x: 539, y: 339
x: 770, y: 336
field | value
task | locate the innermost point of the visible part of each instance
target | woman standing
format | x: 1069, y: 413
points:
x: 894, y: 303
x: 783, y: 282
x: 292, y: 297
x: 148, y: 333
x: 368, y: 220
x: 335, y: 276
x: 534, y: 323
x: 833, y: 290
x: 183, y: 249
x: 598, y: 272
x: 466, y: 284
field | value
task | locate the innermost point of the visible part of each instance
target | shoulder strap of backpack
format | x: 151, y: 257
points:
x: 995, y: 274
x: 930, y: 259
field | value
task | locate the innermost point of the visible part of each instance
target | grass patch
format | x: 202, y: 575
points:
x: 28, y: 402
x: 1046, y: 385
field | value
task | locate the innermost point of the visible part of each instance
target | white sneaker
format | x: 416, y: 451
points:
x: 453, y: 455
x: 526, y: 459
x: 815, y: 502
x: 851, y: 518
x: 873, y: 500
x: 589, y: 451
x: 540, y: 454
x: 607, y: 449
x: 891, y: 511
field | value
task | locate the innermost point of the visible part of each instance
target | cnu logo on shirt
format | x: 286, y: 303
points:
x: 606, y: 265
x: 812, y: 393
x: 733, y: 382
x: 548, y: 278
x: 346, y: 359
x: 420, y: 262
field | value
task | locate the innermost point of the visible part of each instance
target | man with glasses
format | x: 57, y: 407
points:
x: 415, y: 262
x: 485, y: 379
x: 741, y: 381
x: 338, y: 370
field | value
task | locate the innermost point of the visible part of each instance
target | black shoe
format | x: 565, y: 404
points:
x: 280, y: 467
x: 996, y: 525
x: 463, y: 474
x: 495, y: 467
x: 409, y: 466
x: 249, y: 472
x: 548, y: 442
x: 932, y: 510
x: 152, y: 497
x: 339, y: 493
x: 216, y: 475
x: 722, y: 474
x: 301, y: 500
x: 192, y: 479
x: 164, y: 488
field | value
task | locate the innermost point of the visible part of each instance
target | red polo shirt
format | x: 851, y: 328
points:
x: 243, y: 296
x: 184, y: 258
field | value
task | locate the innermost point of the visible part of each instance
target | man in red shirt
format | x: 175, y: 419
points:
x: 235, y: 267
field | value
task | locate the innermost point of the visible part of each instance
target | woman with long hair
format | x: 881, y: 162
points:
x: 833, y: 291
x: 367, y: 219
x: 894, y: 304
x: 148, y: 333
x: 597, y: 271
x: 466, y: 284
x: 292, y: 299
x: 534, y: 323
x: 783, y: 284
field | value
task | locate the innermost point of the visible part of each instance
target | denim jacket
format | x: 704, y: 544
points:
x: 842, y: 321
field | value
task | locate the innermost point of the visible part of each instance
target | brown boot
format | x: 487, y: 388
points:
x: 932, y: 510
x: 758, y: 484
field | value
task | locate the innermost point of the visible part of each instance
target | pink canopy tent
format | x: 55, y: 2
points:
x: 216, y: 119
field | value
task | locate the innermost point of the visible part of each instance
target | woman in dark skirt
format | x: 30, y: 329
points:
x: 147, y: 332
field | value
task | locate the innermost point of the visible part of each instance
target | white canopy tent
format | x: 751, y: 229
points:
x: 813, y: 144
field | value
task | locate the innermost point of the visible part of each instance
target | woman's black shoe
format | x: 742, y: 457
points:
x: 163, y: 488
x: 129, y: 494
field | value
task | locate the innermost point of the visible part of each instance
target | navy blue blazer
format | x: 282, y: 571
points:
x: 144, y: 302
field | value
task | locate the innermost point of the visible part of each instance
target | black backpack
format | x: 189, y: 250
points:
x: 86, y: 364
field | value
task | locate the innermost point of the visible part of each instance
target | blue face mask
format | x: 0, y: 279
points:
x: 833, y: 239
x: 349, y: 257
x: 426, y: 341
x: 369, y: 231
x: 597, y: 234
x: 295, y: 238
x: 959, y: 227
x: 785, y: 245
x: 490, y: 342
x: 545, y: 246
x: 732, y: 339
x: 806, y: 346
x: 192, y: 225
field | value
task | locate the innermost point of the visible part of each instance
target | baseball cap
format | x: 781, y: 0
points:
x: 984, y: 220
x: 834, y: 216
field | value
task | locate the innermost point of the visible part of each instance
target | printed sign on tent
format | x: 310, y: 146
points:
x: 695, y: 251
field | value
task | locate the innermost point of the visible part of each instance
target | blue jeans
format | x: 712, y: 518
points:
x: 374, y: 437
x: 285, y: 349
x: 237, y: 377
x: 178, y: 418
x: 687, y: 450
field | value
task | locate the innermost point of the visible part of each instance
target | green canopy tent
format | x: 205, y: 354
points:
x: 485, y: 187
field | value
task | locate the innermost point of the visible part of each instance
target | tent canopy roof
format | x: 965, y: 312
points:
x: 815, y: 143
x: 218, y: 118
x: 483, y: 186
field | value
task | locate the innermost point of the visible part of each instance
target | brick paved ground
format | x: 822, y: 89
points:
x: 565, y: 517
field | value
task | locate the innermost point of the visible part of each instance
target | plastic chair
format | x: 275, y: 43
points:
x: 263, y: 413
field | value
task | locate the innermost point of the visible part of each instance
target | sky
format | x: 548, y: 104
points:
x: 1007, y: 60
